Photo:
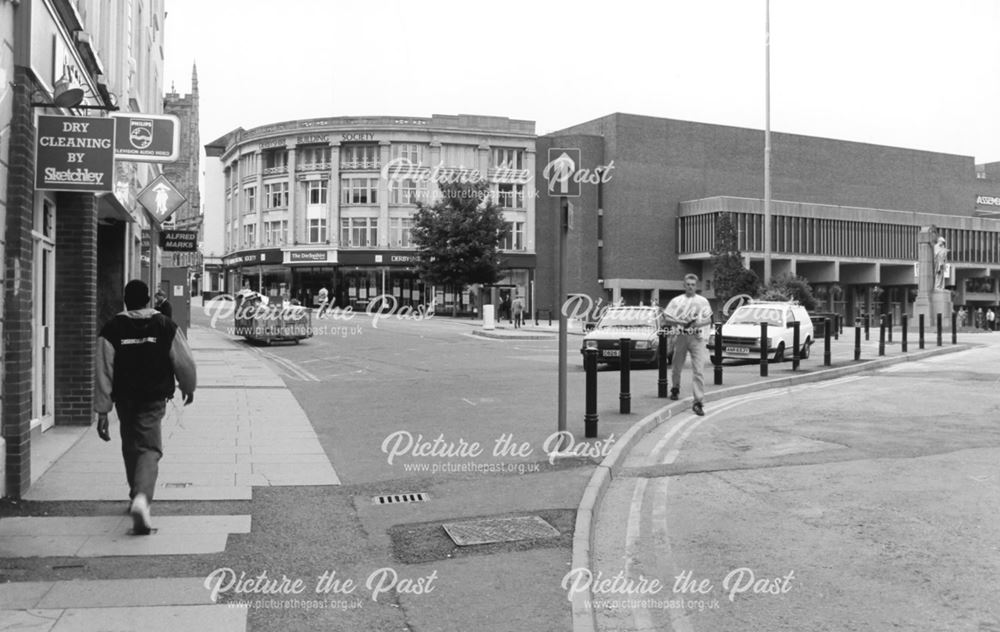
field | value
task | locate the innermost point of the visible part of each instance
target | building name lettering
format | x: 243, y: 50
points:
x: 358, y: 136
x: 988, y: 200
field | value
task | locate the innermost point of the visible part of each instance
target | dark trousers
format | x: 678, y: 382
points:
x: 142, y: 443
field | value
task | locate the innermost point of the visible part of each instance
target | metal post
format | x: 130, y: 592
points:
x: 868, y: 319
x: 562, y: 219
x: 939, y: 343
x: 954, y: 329
x: 921, y: 331
x: 661, y: 365
x: 837, y: 327
x: 888, y: 325
x: 767, y: 143
x: 827, y: 356
x: 590, y: 413
x: 795, y: 346
x: 904, y: 324
x: 763, y: 350
x: 625, y: 396
x: 881, y: 335
x: 857, y: 342
x: 718, y: 354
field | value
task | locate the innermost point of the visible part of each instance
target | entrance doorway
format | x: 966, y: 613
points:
x: 43, y: 316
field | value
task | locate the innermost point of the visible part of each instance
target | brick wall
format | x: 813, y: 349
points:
x: 76, y: 307
x: 17, y: 291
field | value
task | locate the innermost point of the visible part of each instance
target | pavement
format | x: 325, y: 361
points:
x: 243, y: 430
x: 246, y: 431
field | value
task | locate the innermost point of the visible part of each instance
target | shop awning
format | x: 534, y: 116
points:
x: 109, y: 207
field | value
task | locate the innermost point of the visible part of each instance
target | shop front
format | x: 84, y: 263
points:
x: 311, y: 271
x: 363, y: 276
x: 258, y: 270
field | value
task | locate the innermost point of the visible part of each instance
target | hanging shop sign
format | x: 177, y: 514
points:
x: 147, y: 137
x: 74, y: 153
x: 179, y: 240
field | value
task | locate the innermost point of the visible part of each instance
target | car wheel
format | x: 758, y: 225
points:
x: 779, y: 355
x: 804, y: 350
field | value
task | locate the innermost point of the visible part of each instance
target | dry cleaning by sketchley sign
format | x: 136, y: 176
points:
x: 75, y: 153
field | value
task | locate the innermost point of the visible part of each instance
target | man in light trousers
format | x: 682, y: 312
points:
x: 690, y: 313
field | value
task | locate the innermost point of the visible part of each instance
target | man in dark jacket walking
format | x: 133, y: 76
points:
x: 140, y: 353
x: 162, y: 305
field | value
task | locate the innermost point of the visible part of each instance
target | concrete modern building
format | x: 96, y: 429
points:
x: 66, y: 253
x: 329, y: 203
x: 845, y: 214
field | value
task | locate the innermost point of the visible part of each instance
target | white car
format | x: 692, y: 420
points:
x: 741, y: 333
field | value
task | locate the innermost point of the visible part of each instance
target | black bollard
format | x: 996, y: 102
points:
x: 763, y: 350
x: 661, y: 366
x: 718, y: 354
x: 904, y: 325
x: 837, y: 327
x: 625, y: 396
x: 881, y: 335
x: 795, y: 346
x: 590, y: 413
x: 867, y: 325
x: 954, y: 329
x: 888, y: 325
x: 826, y: 344
x: 921, y: 331
x: 939, y: 343
x: 857, y: 341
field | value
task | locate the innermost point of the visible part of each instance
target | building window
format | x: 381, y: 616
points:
x: 410, y: 152
x: 275, y: 232
x: 515, y: 237
x: 508, y: 158
x: 317, y: 230
x: 276, y: 195
x: 317, y: 191
x: 407, y: 191
x: 510, y: 195
x: 359, y: 232
x: 401, y: 232
x: 275, y: 161
x: 249, y: 235
x: 312, y: 157
x: 359, y: 191
x: 248, y: 165
x: 359, y: 156
x: 250, y: 195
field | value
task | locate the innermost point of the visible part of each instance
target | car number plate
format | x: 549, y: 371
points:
x: 745, y: 350
x: 611, y: 352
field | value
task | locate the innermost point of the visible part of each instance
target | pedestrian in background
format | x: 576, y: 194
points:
x: 991, y: 319
x: 163, y: 305
x: 690, y: 313
x: 518, y: 307
x: 140, y: 354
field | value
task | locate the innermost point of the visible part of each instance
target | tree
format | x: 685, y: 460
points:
x: 458, y: 238
x: 787, y: 287
x: 731, y: 278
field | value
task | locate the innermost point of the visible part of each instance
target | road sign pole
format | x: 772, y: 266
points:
x: 562, y: 218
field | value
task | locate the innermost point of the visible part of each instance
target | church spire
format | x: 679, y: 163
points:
x: 194, y: 80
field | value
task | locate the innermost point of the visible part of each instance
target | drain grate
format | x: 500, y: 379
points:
x: 492, y: 530
x: 394, y: 499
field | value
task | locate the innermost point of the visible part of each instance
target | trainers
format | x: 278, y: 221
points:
x: 698, y: 410
x: 674, y: 393
x: 140, y: 515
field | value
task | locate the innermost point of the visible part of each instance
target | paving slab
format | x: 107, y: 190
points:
x: 104, y: 536
x: 217, y: 618
x: 98, y: 593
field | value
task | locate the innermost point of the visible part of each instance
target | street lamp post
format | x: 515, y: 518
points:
x: 767, y: 142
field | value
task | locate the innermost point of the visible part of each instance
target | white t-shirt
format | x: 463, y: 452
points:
x: 685, y: 308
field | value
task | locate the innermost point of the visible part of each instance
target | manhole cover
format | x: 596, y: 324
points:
x: 490, y: 530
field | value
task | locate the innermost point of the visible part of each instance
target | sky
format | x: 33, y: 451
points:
x: 919, y: 74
